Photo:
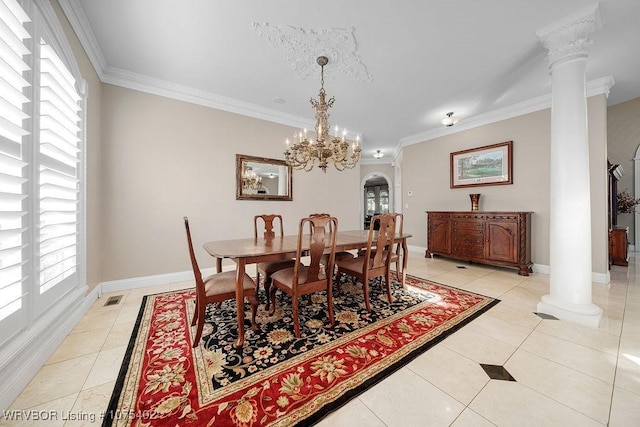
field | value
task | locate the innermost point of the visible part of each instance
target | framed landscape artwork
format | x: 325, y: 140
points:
x: 488, y: 165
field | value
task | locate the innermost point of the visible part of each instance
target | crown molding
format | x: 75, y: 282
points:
x: 594, y: 87
x: 370, y: 161
x: 80, y: 24
x: 143, y: 83
x: 107, y: 74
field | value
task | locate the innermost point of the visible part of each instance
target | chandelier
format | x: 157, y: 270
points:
x: 303, y: 154
x: 250, y: 179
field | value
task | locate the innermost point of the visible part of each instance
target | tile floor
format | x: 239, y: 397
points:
x: 566, y: 375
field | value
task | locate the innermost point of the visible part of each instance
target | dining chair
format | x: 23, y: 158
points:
x: 269, y: 222
x: 306, y: 279
x: 368, y: 265
x: 340, y: 255
x: 215, y: 289
x: 395, y: 255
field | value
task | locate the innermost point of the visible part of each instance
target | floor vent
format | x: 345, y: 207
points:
x: 497, y: 372
x: 545, y: 316
x: 113, y: 300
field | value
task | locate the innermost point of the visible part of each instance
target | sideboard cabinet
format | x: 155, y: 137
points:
x: 495, y: 238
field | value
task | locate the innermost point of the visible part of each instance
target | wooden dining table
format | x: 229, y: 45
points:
x: 255, y: 250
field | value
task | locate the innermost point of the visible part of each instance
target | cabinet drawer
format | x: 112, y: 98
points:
x: 439, y: 215
x: 467, y: 225
x: 469, y: 239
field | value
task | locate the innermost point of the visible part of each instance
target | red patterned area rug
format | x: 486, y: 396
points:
x: 276, y: 379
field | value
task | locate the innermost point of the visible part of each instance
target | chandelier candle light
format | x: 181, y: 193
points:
x: 303, y: 154
x: 250, y: 179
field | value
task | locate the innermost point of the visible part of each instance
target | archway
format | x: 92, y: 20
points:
x: 382, y: 179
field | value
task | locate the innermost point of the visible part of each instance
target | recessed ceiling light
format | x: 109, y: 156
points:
x: 278, y: 100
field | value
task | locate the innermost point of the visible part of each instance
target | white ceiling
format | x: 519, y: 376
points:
x: 396, y: 67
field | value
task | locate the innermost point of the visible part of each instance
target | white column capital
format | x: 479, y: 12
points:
x: 568, y: 37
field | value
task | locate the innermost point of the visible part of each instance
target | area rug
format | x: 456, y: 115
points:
x: 276, y: 379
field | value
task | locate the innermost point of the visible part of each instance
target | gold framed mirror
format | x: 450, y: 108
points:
x: 260, y: 178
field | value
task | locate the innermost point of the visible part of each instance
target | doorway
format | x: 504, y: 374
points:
x: 376, y: 197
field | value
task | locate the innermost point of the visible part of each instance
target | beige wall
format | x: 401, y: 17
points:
x: 94, y: 176
x: 623, y: 134
x: 151, y: 160
x: 379, y: 169
x: 425, y: 172
x: 165, y: 159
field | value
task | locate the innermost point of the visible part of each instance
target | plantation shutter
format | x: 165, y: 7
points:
x: 58, y: 178
x: 13, y: 181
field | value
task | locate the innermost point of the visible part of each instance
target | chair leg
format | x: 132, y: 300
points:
x: 388, y: 280
x: 398, y: 272
x: 196, y: 340
x: 267, y: 288
x: 330, y: 303
x: 365, y: 290
x: 296, y: 324
x: 253, y: 300
x: 195, y: 314
x: 272, y: 297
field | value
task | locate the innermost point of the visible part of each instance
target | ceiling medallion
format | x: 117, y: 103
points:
x: 303, y: 46
x: 304, y: 153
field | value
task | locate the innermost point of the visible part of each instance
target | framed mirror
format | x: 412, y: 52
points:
x: 260, y: 178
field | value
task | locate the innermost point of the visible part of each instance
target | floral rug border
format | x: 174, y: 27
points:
x: 310, y: 413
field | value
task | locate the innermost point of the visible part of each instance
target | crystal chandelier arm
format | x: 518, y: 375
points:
x: 305, y: 153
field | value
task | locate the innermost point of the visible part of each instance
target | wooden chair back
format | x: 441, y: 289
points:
x: 269, y: 223
x: 319, y: 215
x: 323, y: 229
x: 197, y: 274
x: 399, y: 220
x: 385, y: 236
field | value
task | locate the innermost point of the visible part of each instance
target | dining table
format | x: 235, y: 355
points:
x: 255, y: 250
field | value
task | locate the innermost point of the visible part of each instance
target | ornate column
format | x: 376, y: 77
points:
x: 570, y: 205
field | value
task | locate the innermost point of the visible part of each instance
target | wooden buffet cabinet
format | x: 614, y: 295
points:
x: 619, y: 246
x: 495, y: 238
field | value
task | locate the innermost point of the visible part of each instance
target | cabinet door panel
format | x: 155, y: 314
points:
x: 502, y: 237
x: 440, y: 236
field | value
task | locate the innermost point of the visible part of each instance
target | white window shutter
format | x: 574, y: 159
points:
x: 13, y: 188
x: 58, y: 172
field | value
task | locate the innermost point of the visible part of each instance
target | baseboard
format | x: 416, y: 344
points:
x: 602, y: 278
x: 416, y: 249
x: 157, y: 279
x: 144, y: 281
x: 22, y: 358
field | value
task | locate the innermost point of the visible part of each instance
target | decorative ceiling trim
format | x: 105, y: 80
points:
x: 600, y: 86
x: 569, y: 36
x: 143, y: 83
x: 110, y: 75
x: 80, y: 24
x: 304, y: 46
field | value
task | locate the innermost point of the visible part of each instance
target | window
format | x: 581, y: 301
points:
x: 41, y: 166
x: 377, y: 199
x: 384, y: 200
x: 371, y: 202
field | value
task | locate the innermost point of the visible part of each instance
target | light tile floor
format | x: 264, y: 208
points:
x: 565, y: 374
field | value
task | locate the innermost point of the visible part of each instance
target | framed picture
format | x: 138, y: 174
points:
x: 488, y: 165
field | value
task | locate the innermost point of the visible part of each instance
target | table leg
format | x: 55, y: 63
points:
x: 240, y: 271
x: 404, y: 262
